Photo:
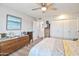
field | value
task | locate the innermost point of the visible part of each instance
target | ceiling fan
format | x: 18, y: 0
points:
x: 45, y: 7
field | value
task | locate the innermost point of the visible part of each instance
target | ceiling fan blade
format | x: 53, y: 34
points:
x: 54, y: 8
x: 43, y: 4
x: 49, y: 4
x: 36, y: 8
x: 51, y: 9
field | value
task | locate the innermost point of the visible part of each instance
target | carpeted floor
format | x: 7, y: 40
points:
x: 25, y: 50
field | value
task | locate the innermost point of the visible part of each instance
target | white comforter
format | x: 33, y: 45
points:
x: 48, y: 47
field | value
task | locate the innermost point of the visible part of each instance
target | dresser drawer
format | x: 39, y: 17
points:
x: 5, y: 43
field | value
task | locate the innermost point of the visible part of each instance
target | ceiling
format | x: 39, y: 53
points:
x: 62, y: 8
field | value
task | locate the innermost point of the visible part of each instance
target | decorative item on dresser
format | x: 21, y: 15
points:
x: 30, y: 36
x: 9, y: 46
x: 2, y: 35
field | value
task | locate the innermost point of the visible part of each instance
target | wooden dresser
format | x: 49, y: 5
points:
x: 9, y: 46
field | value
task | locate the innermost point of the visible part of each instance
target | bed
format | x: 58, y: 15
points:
x: 44, y: 48
x: 55, y: 47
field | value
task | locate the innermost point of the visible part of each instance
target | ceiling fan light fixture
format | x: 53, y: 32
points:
x: 43, y: 8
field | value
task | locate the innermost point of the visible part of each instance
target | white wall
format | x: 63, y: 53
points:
x: 27, y: 21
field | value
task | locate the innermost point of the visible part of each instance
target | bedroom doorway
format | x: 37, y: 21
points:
x: 47, y: 29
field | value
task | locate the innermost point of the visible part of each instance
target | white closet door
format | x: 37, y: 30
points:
x: 60, y: 28
x: 73, y: 29
x: 35, y: 30
x: 52, y: 29
x: 70, y: 29
x: 66, y: 29
x: 57, y: 28
x: 78, y: 28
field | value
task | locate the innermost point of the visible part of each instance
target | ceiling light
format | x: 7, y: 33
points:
x: 43, y: 8
x: 62, y: 17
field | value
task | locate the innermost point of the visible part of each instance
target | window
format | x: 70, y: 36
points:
x: 13, y: 23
